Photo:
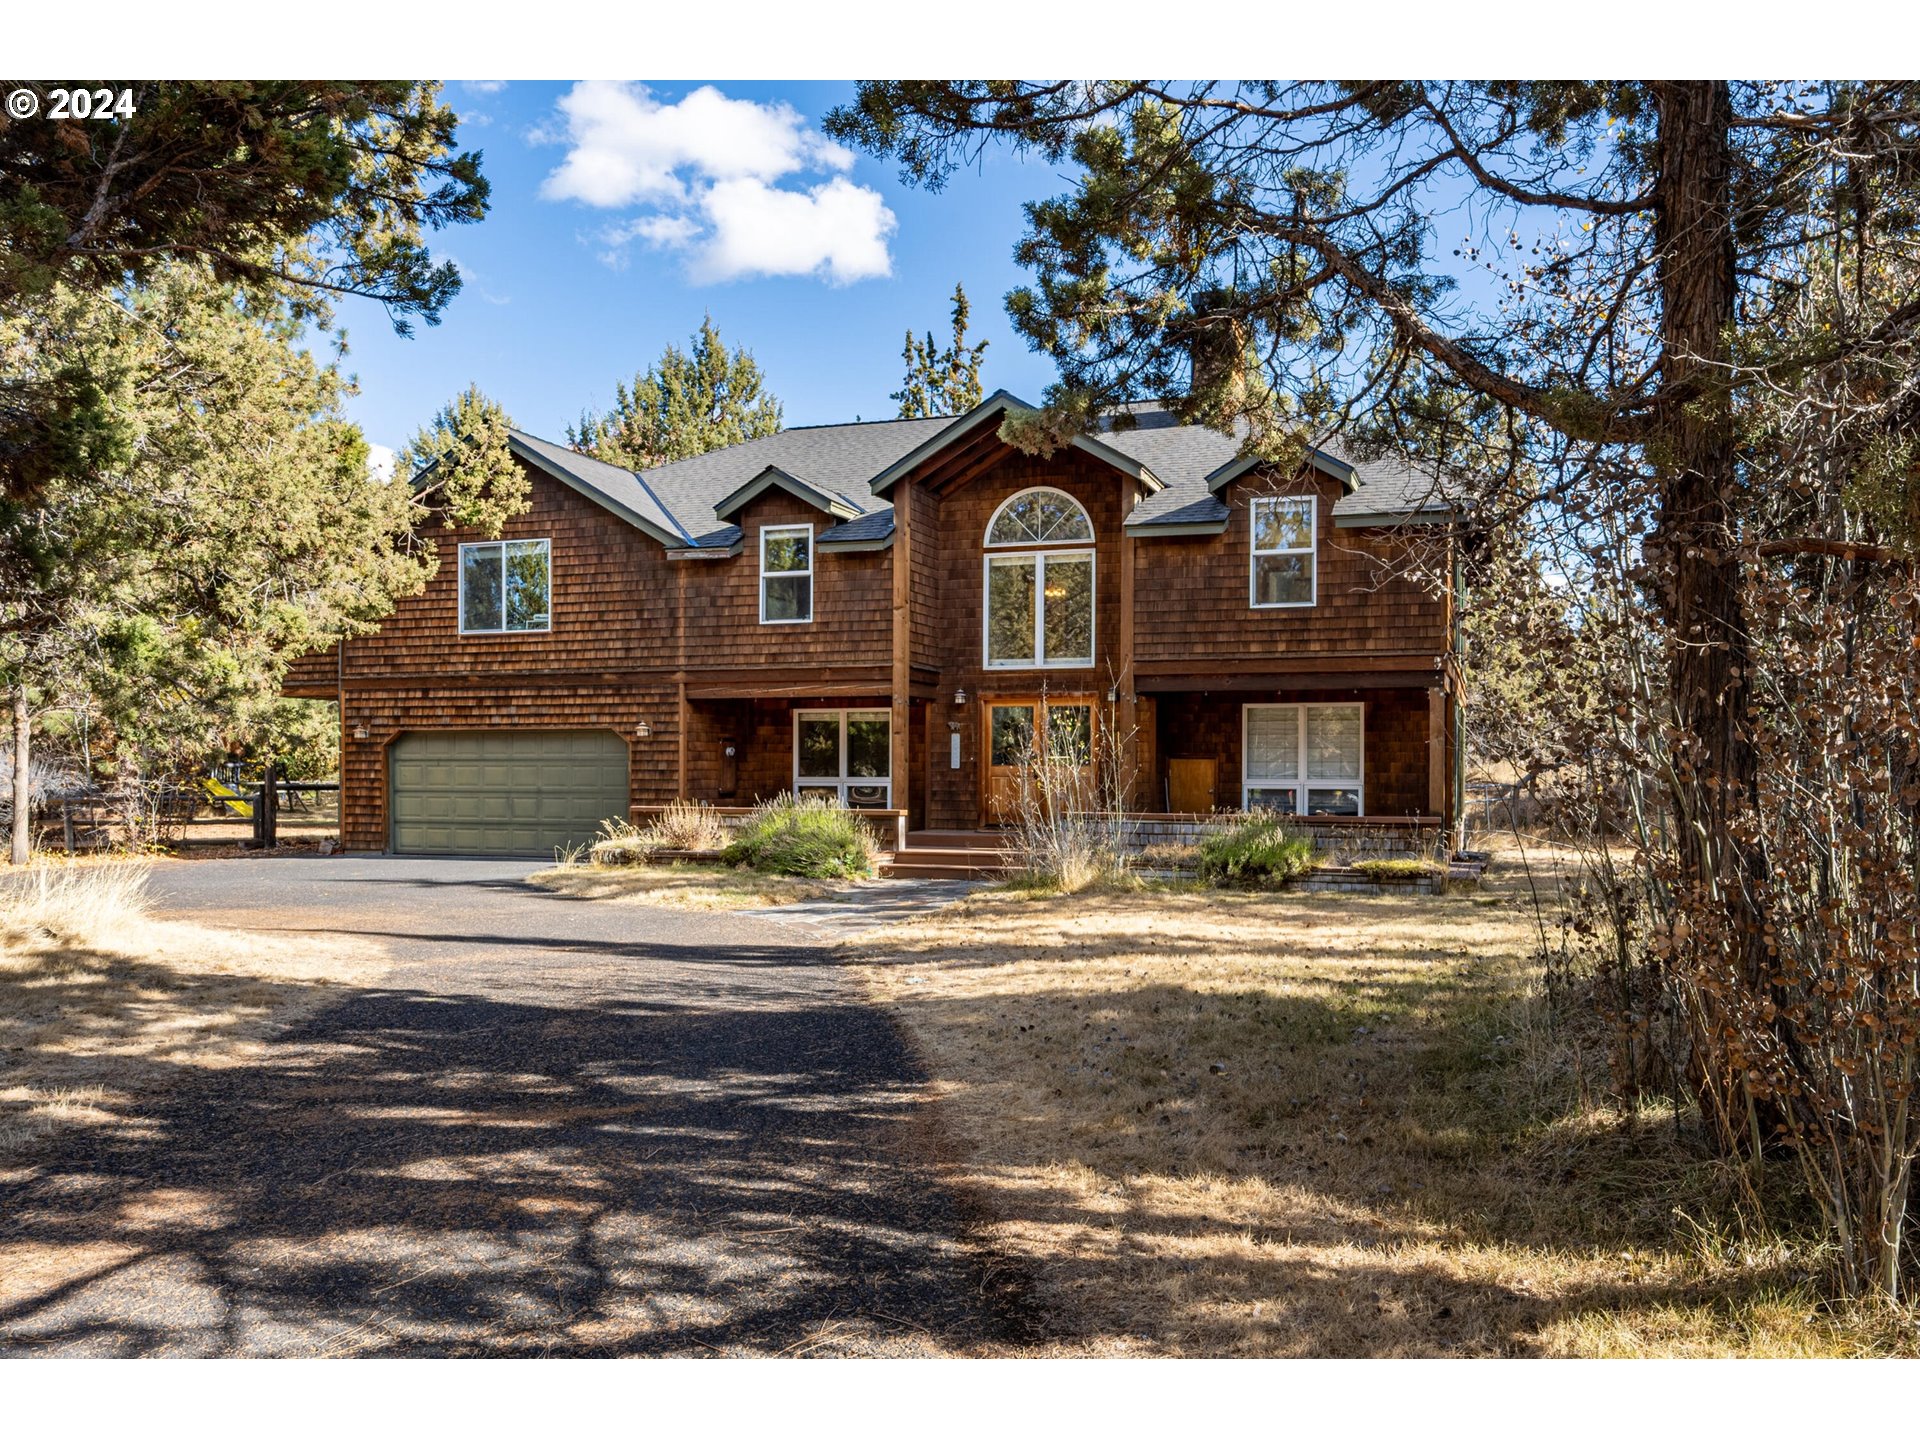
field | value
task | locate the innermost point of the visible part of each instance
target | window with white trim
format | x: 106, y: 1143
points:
x: 844, y: 755
x: 1283, y: 568
x: 786, y: 574
x: 505, y: 587
x: 1037, y: 607
x: 1303, y: 759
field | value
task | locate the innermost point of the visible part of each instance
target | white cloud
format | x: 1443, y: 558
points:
x: 838, y: 229
x: 707, y: 169
x: 379, y: 461
x: 485, y: 87
x: 471, y: 278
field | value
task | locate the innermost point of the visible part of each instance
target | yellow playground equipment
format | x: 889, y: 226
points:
x: 219, y: 793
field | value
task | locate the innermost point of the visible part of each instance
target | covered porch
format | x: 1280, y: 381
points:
x: 1357, y: 753
x: 841, y: 737
x: 1373, y: 756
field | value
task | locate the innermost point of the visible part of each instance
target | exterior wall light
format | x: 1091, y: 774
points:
x: 643, y: 730
x: 360, y: 732
x: 960, y: 696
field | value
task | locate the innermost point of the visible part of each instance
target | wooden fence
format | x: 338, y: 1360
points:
x: 92, y: 820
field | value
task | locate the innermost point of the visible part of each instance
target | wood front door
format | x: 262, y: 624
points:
x: 1015, y: 727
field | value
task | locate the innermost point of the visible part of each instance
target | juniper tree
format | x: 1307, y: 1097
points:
x: 460, y: 464
x: 687, y: 403
x: 226, y: 523
x: 941, y: 382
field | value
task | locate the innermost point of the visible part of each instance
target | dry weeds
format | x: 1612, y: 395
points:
x: 99, y: 1002
x: 1228, y: 1124
x: 683, y: 887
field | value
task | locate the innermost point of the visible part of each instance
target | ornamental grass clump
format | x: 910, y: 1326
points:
x: 807, y: 837
x: 683, y: 827
x: 1254, y: 852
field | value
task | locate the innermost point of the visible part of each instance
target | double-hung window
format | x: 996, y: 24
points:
x: 505, y: 587
x: 1283, y: 551
x: 786, y: 574
x: 1303, y: 759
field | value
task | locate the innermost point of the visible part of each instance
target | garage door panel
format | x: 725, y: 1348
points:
x: 504, y: 792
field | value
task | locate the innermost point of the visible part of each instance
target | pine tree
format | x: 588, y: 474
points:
x: 320, y: 188
x: 941, y: 382
x: 685, y: 404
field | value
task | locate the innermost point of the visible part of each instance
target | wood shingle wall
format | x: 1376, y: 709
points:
x: 632, y: 628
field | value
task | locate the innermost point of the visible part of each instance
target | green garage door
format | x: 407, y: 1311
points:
x: 504, y: 792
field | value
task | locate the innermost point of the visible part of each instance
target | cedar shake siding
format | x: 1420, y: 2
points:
x: 1191, y: 595
x: 655, y: 596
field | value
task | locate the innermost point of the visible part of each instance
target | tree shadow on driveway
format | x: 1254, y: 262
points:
x: 624, y: 1167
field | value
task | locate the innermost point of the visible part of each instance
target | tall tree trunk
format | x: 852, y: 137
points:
x: 22, y: 791
x: 1710, y: 691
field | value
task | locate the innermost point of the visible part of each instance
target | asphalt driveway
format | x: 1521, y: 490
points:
x: 557, y: 1127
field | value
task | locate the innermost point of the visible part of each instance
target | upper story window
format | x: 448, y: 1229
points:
x: 1038, y: 608
x: 504, y: 587
x: 786, y: 574
x: 1040, y: 517
x: 1283, y: 551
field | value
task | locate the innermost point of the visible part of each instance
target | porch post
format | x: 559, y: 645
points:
x: 1437, y: 768
x: 680, y: 755
x: 1126, y: 712
x: 899, y: 732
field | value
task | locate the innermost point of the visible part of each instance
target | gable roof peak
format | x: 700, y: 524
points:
x: 999, y: 403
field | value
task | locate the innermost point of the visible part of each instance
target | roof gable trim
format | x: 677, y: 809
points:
x: 1348, y: 477
x: 773, y: 477
x: 599, y: 497
x: 996, y: 405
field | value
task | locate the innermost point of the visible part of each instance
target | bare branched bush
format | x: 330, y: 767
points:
x: 1068, y: 828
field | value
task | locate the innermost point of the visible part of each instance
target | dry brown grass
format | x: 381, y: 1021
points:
x: 98, y: 1001
x: 684, y: 887
x: 1231, y: 1124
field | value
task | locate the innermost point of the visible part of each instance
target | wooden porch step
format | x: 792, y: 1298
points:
x: 943, y: 862
x: 956, y: 840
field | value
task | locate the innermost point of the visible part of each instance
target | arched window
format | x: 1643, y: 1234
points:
x: 1041, y: 516
x: 1037, y: 612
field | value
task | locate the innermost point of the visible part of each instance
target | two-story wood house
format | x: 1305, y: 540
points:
x: 897, y: 613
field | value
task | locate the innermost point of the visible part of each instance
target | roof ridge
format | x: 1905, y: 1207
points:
x: 850, y: 424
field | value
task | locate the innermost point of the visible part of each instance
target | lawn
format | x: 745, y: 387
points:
x: 684, y: 886
x: 1274, y: 1124
x: 99, y: 1001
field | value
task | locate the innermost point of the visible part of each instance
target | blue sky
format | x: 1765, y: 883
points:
x: 622, y: 214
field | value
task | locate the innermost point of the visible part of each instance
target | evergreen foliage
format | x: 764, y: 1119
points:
x: 462, y: 464
x: 803, y: 836
x: 942, y: 382
x: 1254, y: 852
x: 685, y: 404
x: 225, y: 520
x: 312, y: 188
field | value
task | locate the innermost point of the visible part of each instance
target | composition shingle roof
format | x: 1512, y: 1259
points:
x: 679, y: 502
